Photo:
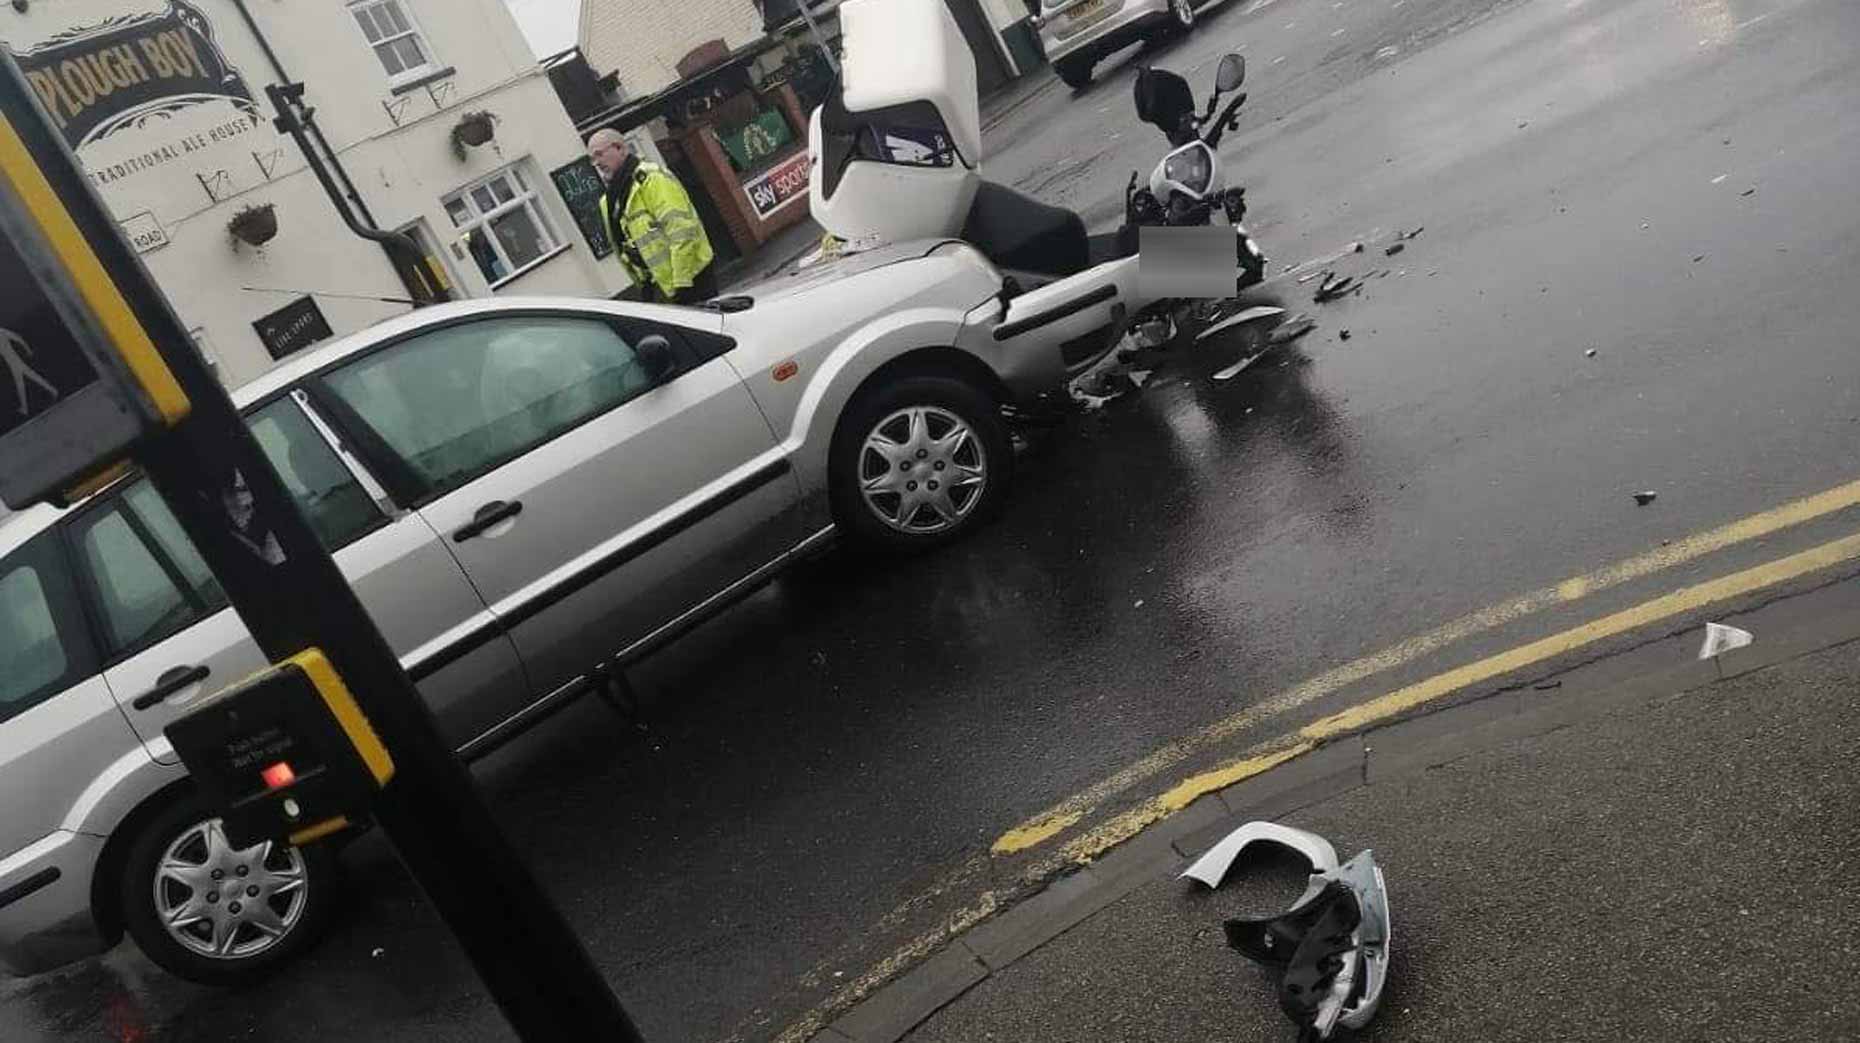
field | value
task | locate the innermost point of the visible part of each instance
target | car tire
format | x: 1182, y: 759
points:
x: 1180, y: 20
x: 894, y: 433
x: 1074, y: 72
x: 271, y: 904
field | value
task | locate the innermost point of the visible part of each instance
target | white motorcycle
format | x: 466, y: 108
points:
x: 896, y: 154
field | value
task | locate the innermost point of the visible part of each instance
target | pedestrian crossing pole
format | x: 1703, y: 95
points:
x: 101, y: 375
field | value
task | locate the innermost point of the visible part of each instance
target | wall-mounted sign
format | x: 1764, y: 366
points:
x: 779, y: 185
x: 751, y: 144
x: 135, y: 92
x: 293, y: 328
x: 144, y: 232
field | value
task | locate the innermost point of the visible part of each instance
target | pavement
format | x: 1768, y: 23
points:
x: 1669, y: 857
x: 1437, y: 507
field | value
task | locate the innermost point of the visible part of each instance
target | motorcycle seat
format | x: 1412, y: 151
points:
x: 1021, y: 233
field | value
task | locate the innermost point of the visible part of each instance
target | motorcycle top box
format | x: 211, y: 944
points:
x: 898, y: 144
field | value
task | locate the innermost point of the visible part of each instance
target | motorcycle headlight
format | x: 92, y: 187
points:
x: 1190, y: 169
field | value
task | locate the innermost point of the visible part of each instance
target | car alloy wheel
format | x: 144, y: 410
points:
x: 1184, y: 11
x: 224, y: 904
x: 922, y: 470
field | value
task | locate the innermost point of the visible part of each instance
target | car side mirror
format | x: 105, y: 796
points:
x: 655, y: 356
x: 1232, y: 73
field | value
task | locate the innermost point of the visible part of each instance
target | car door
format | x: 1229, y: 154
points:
x: 590, y: 499
x: 58, y: 726
x: 170, y: 639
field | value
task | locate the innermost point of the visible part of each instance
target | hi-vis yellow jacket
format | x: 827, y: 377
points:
x: 659, y: 222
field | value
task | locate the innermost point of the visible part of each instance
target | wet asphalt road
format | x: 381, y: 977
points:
x: 829, y: 764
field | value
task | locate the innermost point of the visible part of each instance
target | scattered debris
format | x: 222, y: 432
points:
x: 1720, y: 179
x: 1356, y: 247
x: 1697, y: 258
x: 1308, y: 276
x: 1331, y: 948
x: 1748, y: 192
x: 1260, y: 311
x: 1523, y: 124
x: 1140, y: 377
x: 378, y: 953
x: 1545, y: 686
x: 1720, y: 639
x: 1234, y: 370
x: 1395, y: 248
x: 1416, y: 234
x: 1645, y: 498
x: 1333, y: 287
x: 1343, y: 334
x: 1139, y: 603
x: 1589, y: 354
x: 1292, y: 329
x: 1387, y: 52
x: 1644, y: 226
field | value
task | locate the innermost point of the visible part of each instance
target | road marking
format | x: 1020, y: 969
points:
x: 1271, y: 753
x: 1565, y: 592
x: 814, y: 1020
x: 1267, y: 755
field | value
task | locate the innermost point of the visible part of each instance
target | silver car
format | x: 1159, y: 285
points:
x: 1077, y: 34
x: 521, y: 491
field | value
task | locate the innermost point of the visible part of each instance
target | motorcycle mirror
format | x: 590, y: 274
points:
x: 1232, y: 73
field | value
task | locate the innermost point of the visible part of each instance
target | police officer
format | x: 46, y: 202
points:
x: 655, y: 229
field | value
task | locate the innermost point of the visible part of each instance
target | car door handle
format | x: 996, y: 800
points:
x: 171, y: 681
x: 486, y: 517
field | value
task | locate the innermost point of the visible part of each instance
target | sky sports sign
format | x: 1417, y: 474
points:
x: 139, y: 76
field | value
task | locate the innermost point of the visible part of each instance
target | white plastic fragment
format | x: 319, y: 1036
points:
x: 1720, y: 639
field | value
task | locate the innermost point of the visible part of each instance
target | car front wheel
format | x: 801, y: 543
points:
x: 918, y: 463
x: 217, y: 915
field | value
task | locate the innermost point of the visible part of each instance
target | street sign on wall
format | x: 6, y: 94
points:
x: 293, y: 327
x: 80, y: 379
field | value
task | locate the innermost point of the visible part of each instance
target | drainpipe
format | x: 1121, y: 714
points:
x: 409, y: 262
x: 286, y: 96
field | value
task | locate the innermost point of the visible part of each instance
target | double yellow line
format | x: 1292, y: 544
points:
x: 1069, y: 812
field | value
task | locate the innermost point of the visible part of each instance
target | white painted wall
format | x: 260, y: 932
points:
x: 396, y: 148
x: 643, y: 40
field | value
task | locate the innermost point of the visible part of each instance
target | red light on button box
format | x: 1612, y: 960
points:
x: 278, y: 776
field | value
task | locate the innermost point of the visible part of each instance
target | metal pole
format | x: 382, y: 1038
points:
x: 819, y: 40
x: 291, y: 596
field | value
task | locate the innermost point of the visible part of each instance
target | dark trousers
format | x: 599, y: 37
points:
x: 702, y: 289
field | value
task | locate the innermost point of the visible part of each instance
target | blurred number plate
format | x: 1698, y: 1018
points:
x: 1090, y: 10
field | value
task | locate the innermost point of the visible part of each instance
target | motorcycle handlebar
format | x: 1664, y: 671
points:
x: 1226, y: 121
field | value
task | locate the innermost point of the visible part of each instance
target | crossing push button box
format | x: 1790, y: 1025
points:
x: 287, y: 754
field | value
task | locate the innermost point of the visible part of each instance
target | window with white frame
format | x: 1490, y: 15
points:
x: 394, y: 36
x: 501, y: 226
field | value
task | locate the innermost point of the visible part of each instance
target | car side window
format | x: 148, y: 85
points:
x: 146, y: 578
x: 459, y: 401
x: 43, y: 641
x: 339, y: 509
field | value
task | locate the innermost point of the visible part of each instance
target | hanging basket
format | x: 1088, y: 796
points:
x: 254, y: 225
x: 473, y: 129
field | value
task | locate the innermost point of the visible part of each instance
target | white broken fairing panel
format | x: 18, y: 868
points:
x: 1331, y: 947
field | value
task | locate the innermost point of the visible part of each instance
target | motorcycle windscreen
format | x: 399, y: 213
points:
x: 897, y: 145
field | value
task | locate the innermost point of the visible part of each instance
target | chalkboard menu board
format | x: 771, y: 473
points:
x: 581, y: 187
